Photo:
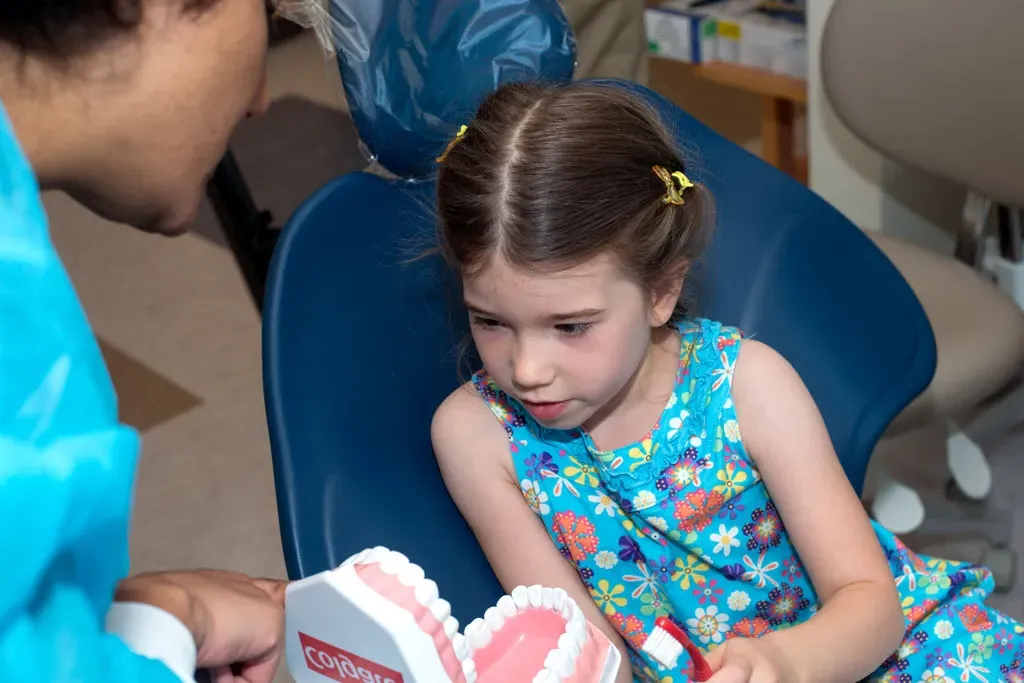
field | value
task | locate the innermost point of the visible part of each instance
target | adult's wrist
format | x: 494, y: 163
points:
x: 156, y: 634
x: 162, y: 593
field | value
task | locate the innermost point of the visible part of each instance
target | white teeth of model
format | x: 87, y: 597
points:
x: 478, y: 633
x: 441, y: 609
x: 568, y: 607
x: 507, y: 606
x: 567, y: 643
x: 547, y: 598
x: 376, y: 554
x: 426, y: 592
x: 560, y: 662
x: 558, y: 597
x: 546, y: 676
x: 412, y: 575
x: 461, y: 646
x: 451, y: 627
x: 578, y: 630
x: 494, y: 618
x: 536, y: 595
x: 577, y: 615
x: 357, y: 558
x: 521, y: 595
x: 394, y: 563
x: 469, y: 671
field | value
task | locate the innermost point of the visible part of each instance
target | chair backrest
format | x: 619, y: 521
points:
x: 360, y: 348
x: 933, y: 85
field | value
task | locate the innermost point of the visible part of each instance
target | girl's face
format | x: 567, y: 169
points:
x: 565, y: 344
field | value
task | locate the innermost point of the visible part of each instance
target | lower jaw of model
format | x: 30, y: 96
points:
x: 378, y: 619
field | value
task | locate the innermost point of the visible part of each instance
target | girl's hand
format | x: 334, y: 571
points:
x: 746, y: 660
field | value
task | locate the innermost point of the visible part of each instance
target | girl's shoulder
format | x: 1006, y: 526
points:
x: 463, y: 428
x: 705, y: 342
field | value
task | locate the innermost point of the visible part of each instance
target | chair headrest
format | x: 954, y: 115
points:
x: 413, y: 71
x: 933, y: 85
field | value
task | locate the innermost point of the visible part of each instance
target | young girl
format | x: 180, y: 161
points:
x: 651, y: 464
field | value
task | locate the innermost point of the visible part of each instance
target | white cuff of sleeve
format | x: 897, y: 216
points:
x: 151, y: 632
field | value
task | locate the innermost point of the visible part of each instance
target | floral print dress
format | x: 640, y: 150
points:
x: 680, y: 524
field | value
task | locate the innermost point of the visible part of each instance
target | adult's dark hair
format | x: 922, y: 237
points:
x: 64, y: 28
x: 547, y: 177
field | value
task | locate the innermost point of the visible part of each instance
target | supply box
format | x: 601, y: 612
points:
x: 746, y: 32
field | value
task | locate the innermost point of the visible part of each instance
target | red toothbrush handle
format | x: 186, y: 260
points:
x: 701, y: 668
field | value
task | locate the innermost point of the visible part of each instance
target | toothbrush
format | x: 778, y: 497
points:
x: 667, y: 641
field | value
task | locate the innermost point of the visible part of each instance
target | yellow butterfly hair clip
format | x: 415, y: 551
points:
x: 675, y: 184
x: 451, y: 145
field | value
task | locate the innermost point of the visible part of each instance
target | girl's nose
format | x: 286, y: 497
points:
x: 530, y: 370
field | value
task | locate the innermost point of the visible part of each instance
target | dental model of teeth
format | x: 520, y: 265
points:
x: 378, y: 619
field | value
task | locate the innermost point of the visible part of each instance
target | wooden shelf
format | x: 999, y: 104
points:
x: 754, y: 80
x: 781, y: 99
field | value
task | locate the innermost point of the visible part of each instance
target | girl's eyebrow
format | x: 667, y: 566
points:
x: 477, y: 310
x: 576, y: 315
x: 582, y: 313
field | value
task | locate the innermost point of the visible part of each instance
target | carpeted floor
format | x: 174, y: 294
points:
x: 286, y: 154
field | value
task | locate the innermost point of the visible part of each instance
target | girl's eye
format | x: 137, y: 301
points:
x: 573, y: 329
x: 485, y: 322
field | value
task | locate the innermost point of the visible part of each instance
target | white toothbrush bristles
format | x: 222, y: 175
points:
x: 663, y: 647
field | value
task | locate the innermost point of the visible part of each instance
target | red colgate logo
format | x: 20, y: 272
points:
x: 337, y: 664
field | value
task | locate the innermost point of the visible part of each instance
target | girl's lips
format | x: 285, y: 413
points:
x: 546, y: 411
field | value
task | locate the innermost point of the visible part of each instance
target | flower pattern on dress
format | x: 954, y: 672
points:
x: 680, y: 525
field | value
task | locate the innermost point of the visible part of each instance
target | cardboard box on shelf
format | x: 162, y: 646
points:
x: 774, y: 44
x: 729, y: 31
x: 677, y: 31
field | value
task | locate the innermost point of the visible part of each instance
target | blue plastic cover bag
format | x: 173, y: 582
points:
x: 67, y: 467
x: 415, y: 70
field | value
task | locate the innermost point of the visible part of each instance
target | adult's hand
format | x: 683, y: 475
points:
x: 237, y: 621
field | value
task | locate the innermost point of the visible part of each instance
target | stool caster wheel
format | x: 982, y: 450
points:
x: 955, y: 494
x: 952, y: 491
x: 1002, y: 562
x: 897, y: 507
x: 969, y: 467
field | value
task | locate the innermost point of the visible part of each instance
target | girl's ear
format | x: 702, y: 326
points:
x: 666, y: 296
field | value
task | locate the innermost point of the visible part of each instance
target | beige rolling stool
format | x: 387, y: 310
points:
x: 913, y: 82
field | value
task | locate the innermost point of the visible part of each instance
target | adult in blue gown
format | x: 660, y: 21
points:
x: 126, y: 105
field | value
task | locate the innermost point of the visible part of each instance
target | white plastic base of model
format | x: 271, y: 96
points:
x: 611, y: 665
x: 336, y: 607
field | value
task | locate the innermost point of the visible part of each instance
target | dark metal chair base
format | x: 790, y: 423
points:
x: 249, y: 231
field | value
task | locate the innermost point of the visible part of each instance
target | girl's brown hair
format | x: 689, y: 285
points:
x: 547, y: 177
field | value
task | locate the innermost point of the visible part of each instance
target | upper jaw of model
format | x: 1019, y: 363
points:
x: 378, y: 619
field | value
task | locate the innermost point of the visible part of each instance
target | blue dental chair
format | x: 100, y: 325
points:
x: 361, y: 339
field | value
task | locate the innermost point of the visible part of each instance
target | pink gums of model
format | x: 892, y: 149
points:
x: 388, y: 624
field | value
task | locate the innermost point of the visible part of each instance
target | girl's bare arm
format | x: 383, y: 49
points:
x: 473, y: 454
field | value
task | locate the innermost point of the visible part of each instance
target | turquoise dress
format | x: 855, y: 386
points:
x: 67, y: 466
x: 680, y: 524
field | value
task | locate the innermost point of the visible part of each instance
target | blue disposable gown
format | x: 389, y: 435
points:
x: 67, y: 466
